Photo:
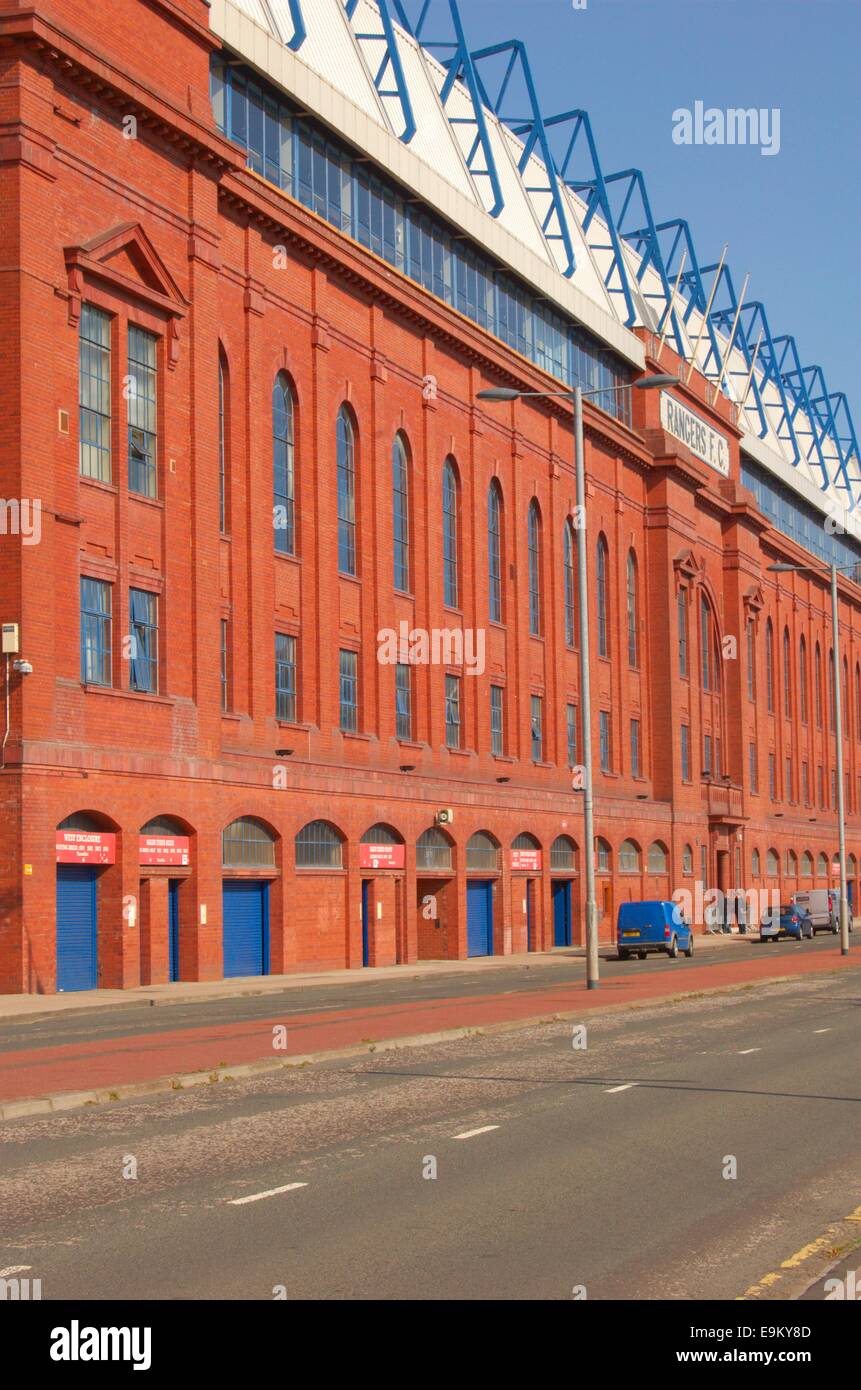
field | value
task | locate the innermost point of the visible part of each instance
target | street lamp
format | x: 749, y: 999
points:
x: 838, y: 729
x: 505, y: 393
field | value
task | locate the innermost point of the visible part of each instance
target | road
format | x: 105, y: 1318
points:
x: 556, y: 1168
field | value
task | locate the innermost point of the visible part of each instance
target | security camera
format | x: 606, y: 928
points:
x: 24, y: 668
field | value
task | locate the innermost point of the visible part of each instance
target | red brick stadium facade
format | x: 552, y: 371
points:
x: 171, y: 234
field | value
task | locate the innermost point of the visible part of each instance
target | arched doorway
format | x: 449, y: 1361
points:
x: 382, y: 858
x: 248, y: 860
x: 85, y: 847
x: 164, y: 856
x: 483, y: 865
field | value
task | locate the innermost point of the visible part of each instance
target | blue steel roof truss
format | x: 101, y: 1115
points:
x: 300, y: 30
x: 389, y: 78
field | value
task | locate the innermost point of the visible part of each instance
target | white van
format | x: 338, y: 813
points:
x: 821, y: 903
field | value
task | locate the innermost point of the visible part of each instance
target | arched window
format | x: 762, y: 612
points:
x: 844, y: 697
x: 381, y: 834
x: 401, y: 514
x: 247, y: 844
x: 81, y: 820
x: 755, y: 865
x: 534, y: 546
x: 603, y: 598
x: 346, y: 494
x: 633, y: 644
x: 769, y: 666
x: 494, y: 551
x: 772, y: 864
x: 450, y: 503
x: 818, y: 679
x: 603, y: 856
x: 705, y: 643
x: 822, y: 866
x: 791, y: 864
x: 483, y: 852
x: 563, y: 854
x: 687, y: 860
x: 568, y: 581
x: 831, y: 691
x: 629, y: 858
x: 319, y: 846
x: 433, y: 850
x: 163, y: 825
x: 284, y: 483
x: 787, y: 675
x: 802, y: 680
x: 658, y: 861
x: 750, y: 631
x: 807, y: 864
x: 223, y: 441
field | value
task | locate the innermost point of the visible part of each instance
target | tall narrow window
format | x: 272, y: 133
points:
x: 536, y: 714
x: 705, y: 644
x: 346, y: 495
x: 494, y: 552
x: 857, y: 701
x: 94, y: 394
x: 686, y: 752
x: 95, y: 632
x: 817, y: 676
x: 285, y: 678
x: 844, y: 697
x: 349, y: 691
x: 635, y: 747
x: 605, y: 750
x: 753, y: 768
x: 142, y: 399
x: 787, y: 675
x: 603, y: 599
x: 831, y: 691
x: 568, y: 582
x: 802, y: 680
x: 143, y: 609
x: 403, y: 701
x: 497, y: 725
x: 682, y: 629
x: 571, y: 716
x: 401, y: 515
x: 633, y: 653
x: 534, y: 547
x: 225, y: 665
x: 769, y: 666
x: 283, y: 467
x: 449, y: 534
x: 751, y: 660
x: 222, y: 445
x: 452, y: 711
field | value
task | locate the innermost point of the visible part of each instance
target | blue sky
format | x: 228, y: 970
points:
x: 791, y: 219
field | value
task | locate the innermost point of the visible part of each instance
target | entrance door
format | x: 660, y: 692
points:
x: 173, y: 928
x: 479, y: 917
x: 366, y: 923
x: 77, y: 927
x: 530, y: 914
x: 561, y: 912
x: 245, y: 928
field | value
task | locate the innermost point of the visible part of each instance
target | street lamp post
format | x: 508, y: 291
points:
x: 838, y: 730
x: 503, y: 393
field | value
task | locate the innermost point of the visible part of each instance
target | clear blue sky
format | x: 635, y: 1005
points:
x: 793, y: 219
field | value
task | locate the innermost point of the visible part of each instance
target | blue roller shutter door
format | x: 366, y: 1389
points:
x: 77, y: 930
x: 561, y: 912
x: 245, y: 928
x: 173, y: 928
x: 479, y: 918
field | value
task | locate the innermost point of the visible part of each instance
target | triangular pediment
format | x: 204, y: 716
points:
x: 686, y: 563
x: 126, y: 256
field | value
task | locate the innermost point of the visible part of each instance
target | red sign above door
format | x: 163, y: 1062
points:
x: 526, y: 860
x: 381, y: 856
x: 164, y: 850
x: 86, y: 847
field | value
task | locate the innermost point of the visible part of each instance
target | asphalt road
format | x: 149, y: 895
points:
x: 23, y: 1033
x: 555, y: 1168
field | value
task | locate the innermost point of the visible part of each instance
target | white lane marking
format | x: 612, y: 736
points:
x: 822, y: 1030
x: 258, y: 1196
x: 471, y: 1133
x: 14, y: 1269
x: 629, y: 1085
x: 746, y: 1050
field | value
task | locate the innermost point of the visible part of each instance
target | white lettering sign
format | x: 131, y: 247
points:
x: 701, y: 439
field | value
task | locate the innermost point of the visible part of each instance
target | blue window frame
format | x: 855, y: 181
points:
x: 604, y: 739
x: 222, y: 446
x: 536, y: 728
x: 225, y: 665
x: 349, y: 691
x: 94, y: 394
x: 403, y: 701
x: 568, y: 582
x: 284, y: 480
x: 603, y: 599
x: 142, y: 401
x: 285, y: 678
x: 682, y: 626
x: 450, y: 501
x: 633, y: 614
x: 452, y: 711
x: 401, y: 515
x: 635, y: 747
x: 494, y: 551
x: 497, y: 726
x: 686, y: 752
x: 571, y: 718
x: 95, y: 632
x: 534, y: 548
x: 143, y: 612
x: 346, y: 495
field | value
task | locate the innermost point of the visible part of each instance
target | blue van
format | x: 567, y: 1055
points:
x: 657, y: 926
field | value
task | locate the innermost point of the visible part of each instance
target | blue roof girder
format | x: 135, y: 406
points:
x: 532, y: 126
x: 644, y: 239
x: 691, y: 283
x: 391, y: 61
x: 822, y: 406
x: 455, y: 57
x: 300, y: 29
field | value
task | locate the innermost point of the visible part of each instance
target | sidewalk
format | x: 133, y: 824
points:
x: 14, y: 1006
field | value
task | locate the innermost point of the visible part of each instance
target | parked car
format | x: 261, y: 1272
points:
x: 652, y: 926
x: 822, y: 905
x: 787, y: 920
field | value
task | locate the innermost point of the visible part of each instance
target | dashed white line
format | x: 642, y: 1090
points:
x: 822, y: 1030
x: 471, y: 1133
x: 272, y: 1192
x: 747, y: 1050
x: 14, y: 1269
x: 629, y: 1085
